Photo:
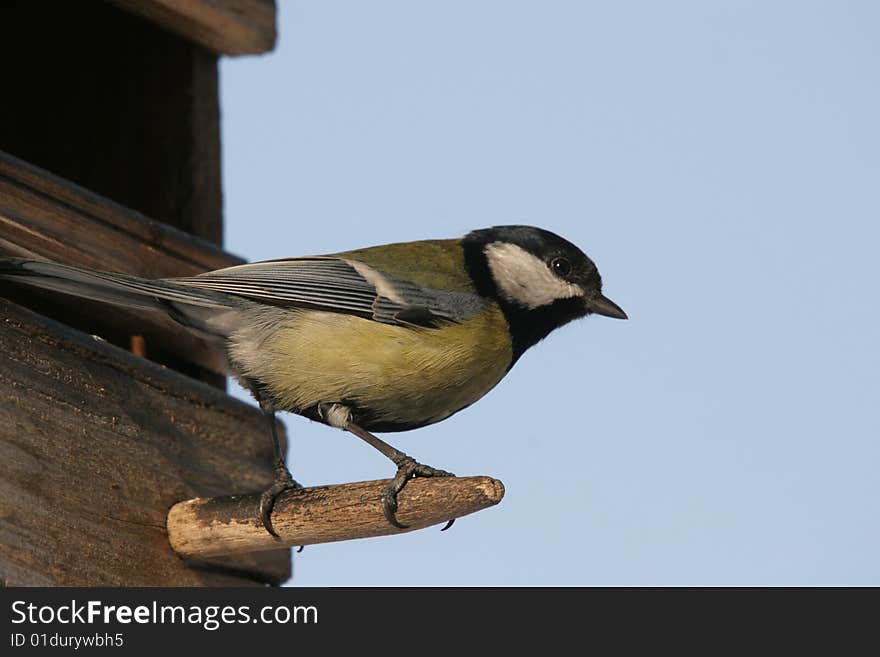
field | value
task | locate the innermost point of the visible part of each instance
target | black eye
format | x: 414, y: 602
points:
x: 561, y: 266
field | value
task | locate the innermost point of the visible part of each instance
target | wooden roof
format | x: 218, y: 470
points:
x: 226, y: 27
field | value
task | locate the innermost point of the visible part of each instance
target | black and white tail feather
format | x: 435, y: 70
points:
x: 212, y: 303
x: 197, y: 309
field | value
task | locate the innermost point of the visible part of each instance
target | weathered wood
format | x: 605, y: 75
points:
x: 229, y: 525
x: 114, y: 103
x: 227, y: 27
x: 44, y: 216
x: 96, y: 445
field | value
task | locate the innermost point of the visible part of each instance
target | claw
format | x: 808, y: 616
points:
x: 389, y: 508
x: 407, y: 468
x: 283, y: 481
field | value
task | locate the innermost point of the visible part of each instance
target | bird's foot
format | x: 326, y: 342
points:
x: 407, y: 468
x: 283, y: 481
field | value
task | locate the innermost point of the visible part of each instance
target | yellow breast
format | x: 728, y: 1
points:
x: 400, y: 375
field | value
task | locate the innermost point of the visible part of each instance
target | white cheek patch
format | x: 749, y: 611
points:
x: 525, y: 279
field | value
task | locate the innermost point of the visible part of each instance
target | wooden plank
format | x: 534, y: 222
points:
x: 45, y: 216
x: 96, y: 445
x: 226, y: 27
x: 201, y: 212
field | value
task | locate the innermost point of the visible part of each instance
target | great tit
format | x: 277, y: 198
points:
x: 382, y: 339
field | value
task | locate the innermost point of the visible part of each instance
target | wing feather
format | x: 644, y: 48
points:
x: 332, y: 284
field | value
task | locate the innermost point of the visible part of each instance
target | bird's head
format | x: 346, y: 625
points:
x: 540, y: 280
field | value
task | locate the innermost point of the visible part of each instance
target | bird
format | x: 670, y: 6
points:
x: 381, y: 339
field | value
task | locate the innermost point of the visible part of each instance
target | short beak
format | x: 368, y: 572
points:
x: 604, y: 306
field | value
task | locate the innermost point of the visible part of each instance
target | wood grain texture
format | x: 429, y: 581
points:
x: 46, y: 217
x: 96, y: 445
x: 227, y: 27
x: 229, y: 525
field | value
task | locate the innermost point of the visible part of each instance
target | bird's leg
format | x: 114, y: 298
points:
x: 407, y: 467
x: 283, y: 480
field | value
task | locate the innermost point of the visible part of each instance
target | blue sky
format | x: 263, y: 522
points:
x: 721, y: 164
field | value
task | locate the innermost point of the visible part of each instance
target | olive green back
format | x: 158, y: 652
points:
x: 437, y: 264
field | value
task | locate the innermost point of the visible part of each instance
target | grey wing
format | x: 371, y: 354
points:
x: 338, y: 285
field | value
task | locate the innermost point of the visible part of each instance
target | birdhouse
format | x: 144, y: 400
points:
x: 110, y: 158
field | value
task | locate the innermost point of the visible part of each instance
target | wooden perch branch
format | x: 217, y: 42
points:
x: 206, y: 527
